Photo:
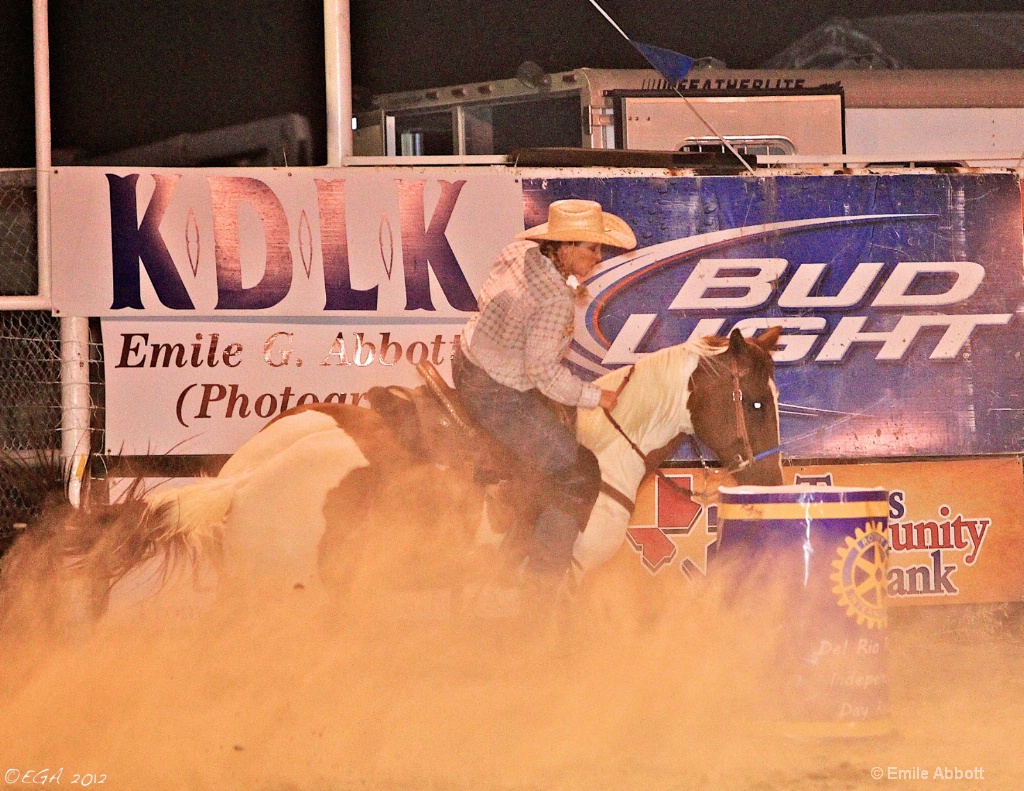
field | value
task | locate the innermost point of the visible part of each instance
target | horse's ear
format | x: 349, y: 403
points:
x: 769, y: 339
x: 737, y: 342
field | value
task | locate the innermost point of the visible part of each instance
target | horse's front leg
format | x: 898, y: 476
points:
x: 604, y: 534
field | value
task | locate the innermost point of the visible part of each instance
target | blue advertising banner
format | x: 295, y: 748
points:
x: 900, y: 297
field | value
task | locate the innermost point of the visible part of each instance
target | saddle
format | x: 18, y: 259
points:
x: 446, y: 396
x: 499, y: 464
x: 494, y: 464
x: 516, y: 492
x: 425, y: 416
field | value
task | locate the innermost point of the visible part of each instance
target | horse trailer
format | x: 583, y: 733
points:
x: 974, y: 117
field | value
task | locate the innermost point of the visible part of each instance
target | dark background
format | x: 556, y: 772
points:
x: 128, y: 73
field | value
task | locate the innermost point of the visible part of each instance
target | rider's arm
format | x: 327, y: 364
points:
x: 548, y: 335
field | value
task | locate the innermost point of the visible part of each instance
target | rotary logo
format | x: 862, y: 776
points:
x: 859, y: 574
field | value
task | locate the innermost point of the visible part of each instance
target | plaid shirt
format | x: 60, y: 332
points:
x: 524, y: 327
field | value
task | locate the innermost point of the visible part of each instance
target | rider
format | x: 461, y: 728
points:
x: 508, y: 368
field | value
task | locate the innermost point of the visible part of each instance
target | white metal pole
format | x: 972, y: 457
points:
x: 338, y: 52
x: 41, y: 59
x: 75, y: 402
x: 74, y: 332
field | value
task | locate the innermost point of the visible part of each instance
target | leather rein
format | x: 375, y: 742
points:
x: 745, y: 459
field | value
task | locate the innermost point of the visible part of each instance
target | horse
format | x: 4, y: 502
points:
x: 728, y: 400
x: 326, y: 494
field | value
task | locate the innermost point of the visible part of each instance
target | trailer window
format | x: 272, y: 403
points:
x: 777, y: 145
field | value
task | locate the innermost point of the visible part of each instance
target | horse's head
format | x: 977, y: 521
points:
x: 734, y: 406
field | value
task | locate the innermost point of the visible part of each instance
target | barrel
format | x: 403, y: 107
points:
x: 823, y: 550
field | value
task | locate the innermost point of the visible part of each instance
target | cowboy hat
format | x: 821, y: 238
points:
x: 576, y: 220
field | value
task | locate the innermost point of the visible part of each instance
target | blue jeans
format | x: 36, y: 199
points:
x: 525, y: 423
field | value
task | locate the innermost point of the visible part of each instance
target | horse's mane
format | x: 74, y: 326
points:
x: 655, y: 397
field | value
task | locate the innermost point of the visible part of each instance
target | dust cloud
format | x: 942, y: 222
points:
x: 403, y: 686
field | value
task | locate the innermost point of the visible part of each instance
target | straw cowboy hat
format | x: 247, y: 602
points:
x: 576, y: 220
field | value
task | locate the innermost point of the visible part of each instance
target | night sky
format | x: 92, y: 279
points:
x: 124, y: 74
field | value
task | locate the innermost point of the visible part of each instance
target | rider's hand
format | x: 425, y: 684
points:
x: 609, y: 398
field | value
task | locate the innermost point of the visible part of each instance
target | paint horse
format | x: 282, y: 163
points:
x: 328, y: 492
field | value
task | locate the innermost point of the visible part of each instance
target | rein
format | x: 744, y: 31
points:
x: 619, y: 497
x: 747, y: 458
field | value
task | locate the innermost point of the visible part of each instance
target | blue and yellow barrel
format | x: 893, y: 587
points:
x: 825, y: 549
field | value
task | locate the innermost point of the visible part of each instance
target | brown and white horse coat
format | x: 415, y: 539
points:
x: 300, y: 490
x: 323, y: 487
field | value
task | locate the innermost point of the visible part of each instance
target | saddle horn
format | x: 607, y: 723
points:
x: 445, y: 396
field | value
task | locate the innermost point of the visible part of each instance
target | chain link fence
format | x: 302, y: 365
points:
x: 19, y: 271
x: 30, y: 415
x: 30, y: 367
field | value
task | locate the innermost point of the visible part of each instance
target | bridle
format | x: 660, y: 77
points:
x: 746, y: 457
x: 743, y: 460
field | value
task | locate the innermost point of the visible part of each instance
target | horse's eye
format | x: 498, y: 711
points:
x: 757, y: 405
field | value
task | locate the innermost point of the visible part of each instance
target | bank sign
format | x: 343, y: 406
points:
x: 900, y: 295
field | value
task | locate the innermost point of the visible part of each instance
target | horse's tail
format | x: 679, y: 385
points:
x: 32, y: 586
x: 174, y: 527
x: 61, y: 570
x: 186, y: 522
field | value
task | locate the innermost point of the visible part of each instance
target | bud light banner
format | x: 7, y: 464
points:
x: 900, y: 297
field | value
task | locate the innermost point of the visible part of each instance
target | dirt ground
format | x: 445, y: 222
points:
x: 297, y: 695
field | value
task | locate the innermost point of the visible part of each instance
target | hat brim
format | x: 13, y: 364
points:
x: 616, y: 233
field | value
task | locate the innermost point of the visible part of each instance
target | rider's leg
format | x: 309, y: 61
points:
x: 571, y: 496
x: 524, y: 423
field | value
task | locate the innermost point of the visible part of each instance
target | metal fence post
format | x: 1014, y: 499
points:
x: 74, y: 332
x: 338, y: 52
